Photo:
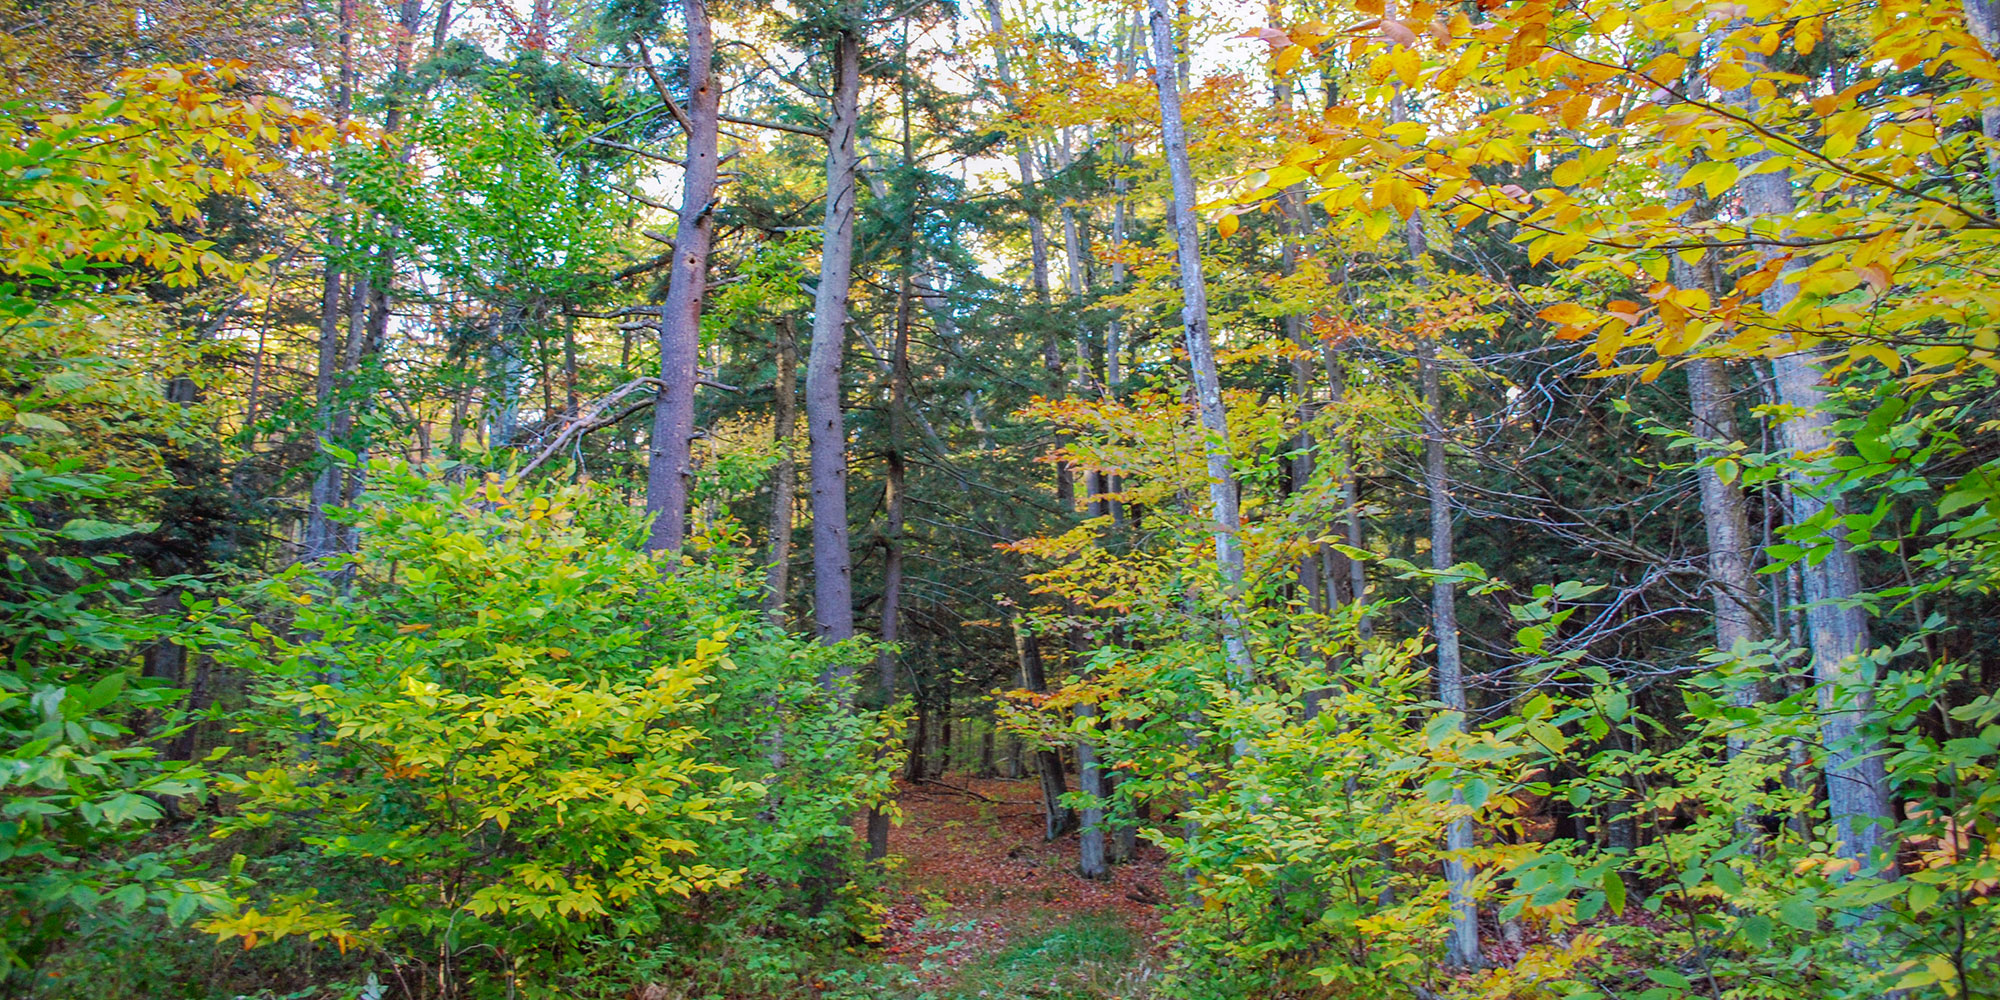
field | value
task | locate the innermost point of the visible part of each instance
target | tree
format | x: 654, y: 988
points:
x: 668, y: 471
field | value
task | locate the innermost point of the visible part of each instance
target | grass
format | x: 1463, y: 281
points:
x: 1083, y: 958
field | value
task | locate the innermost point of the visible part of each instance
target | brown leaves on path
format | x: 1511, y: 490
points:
x: 975, y: 871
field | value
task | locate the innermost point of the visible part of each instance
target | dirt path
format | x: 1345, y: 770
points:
x: 976, y: 875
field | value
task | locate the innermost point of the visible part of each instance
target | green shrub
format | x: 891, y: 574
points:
x: 499, y: 743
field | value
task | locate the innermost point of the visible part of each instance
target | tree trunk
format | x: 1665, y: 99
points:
x: 1464, y: 942
x: 892, y: 503
x: 785, y: 475
x: 1463, y: 946
x: 669, y: 466
x: 1090, y: 854
x: 1723, y: 512
x: 1201, y: 345
x: 1057, y: 819
x: 1038, y: 240
x: 321, y: 538
x: 1983, y: 18
x: 917, y: 747
x: 1857, y: 785
x: 833, y: 585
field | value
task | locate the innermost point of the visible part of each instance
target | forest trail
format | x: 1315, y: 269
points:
x: 982, y: 906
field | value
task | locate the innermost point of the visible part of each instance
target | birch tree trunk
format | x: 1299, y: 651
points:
x: 668, y: 468
x: 833, y: 585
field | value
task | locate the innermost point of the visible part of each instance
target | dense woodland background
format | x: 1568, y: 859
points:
x: 501, y: 497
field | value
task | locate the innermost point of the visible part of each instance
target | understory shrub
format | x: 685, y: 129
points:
x: 498, y: 747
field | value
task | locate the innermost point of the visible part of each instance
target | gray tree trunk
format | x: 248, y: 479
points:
x: 1091, y: 855
x: 321, y: 539
x: 892, y: 501
x: 1983, y: 18
x: 1463, y: 945
x: 785, y: 475
x: 833, y: 585
x: 1201, y: 344
x: 1838, y: 634
x: 669, y: 469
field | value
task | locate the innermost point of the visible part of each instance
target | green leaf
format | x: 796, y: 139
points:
x: 39, y: 422
x: 84, y: 529
x: 1799, y: 913
x: 1668, y: 978
x: 1922, y: 897
x: 1614, y: 892
x: 130, y: 897
x: 104, y: 691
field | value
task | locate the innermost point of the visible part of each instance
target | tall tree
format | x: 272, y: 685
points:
x: 1223, y: 505
x: 1857, y: 784
x: 826, y: 423
x: 668, y: 469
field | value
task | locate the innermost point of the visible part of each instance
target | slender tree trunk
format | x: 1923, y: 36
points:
x: 1724, y: 512
x: 1464, y: 943
x: 321, y: 539
x: 1091, y: 853
x: 1838, y: 635
x: 892, y: 500
x: 1463, y: 946
x: 1038, y: 239
x: 1983, y: 18
x: 918, y: 746
x: 1057, y: 819
x: 669, y: 466
x: 1200, y: 344
x: 785, y: 475
x: 833, y: 585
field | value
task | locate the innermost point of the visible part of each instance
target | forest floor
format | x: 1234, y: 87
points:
x: 984, y: 907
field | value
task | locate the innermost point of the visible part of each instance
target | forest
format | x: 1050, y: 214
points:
x: 931, y: 500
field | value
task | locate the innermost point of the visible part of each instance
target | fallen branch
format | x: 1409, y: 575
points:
x: 591, y: 419
x: 963, y: 791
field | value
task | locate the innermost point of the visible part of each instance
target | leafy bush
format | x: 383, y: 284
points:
x: 498, y: 740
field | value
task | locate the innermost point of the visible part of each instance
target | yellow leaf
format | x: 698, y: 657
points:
x: 1287, y: 60
x: 1568, y: 314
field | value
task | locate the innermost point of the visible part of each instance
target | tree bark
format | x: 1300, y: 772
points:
x: 1464, y: 942
x: 1223, y: 506
x: 892, y: 503
x: 669, y: 469
x: 785, y: 475
x: 1838, y: 633
x: 833, y: 585
x: 1038, y: 240
x: 1091, y: 854
x: 321, y: 539
x: 1983, y: 18
x: 1057, y: 819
